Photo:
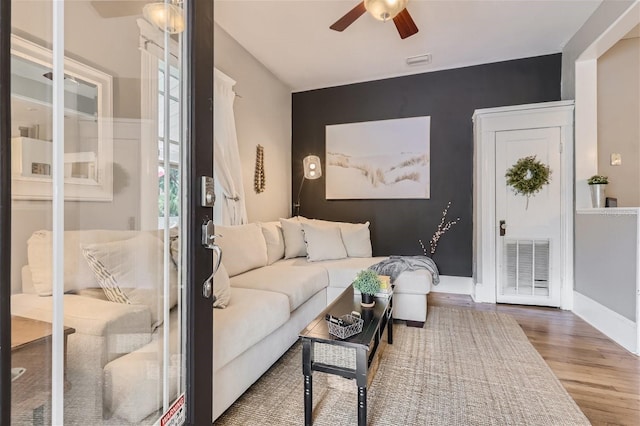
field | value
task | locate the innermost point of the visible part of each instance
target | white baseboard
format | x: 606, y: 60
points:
x: 618, y: 328
x: 455, y: 285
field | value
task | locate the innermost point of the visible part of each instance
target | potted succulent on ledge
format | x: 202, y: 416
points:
x: 597, y: 184
x: 368, y: 284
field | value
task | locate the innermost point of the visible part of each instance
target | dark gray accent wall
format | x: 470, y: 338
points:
x: 450, y: 98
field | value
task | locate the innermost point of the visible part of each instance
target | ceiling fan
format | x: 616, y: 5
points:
x: 382, y: 10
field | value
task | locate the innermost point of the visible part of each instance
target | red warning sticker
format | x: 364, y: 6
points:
x: 175, y: 415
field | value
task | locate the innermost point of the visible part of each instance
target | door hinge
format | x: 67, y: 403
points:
x: 560, y: 147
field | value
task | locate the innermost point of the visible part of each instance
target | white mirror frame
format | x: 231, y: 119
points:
x: 35, y: 188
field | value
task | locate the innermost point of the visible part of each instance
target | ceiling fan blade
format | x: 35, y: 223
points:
x: 348, y: 19
x: 405, y: 25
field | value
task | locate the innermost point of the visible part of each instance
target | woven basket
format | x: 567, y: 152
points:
x: 343, y: 332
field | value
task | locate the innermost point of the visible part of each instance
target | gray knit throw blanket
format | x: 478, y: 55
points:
x: 395, y: 265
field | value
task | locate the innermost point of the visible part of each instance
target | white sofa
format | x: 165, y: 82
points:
x: 104, y: 330
x: 275, y: 291
x: 260, y: 267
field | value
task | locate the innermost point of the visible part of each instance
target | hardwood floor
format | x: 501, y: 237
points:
x: 601, y: 376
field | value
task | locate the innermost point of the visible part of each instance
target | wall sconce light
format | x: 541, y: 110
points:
x: 312, y: 170
x: 166, y: 16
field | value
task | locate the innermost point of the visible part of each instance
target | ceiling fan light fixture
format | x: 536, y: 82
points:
x: 384, y: 10
x: 166, y: 16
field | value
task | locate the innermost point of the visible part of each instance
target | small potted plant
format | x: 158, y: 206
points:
x: 596, y: 185
x: 368, y: 284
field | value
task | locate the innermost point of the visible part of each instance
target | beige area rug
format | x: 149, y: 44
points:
x: 463, y: 368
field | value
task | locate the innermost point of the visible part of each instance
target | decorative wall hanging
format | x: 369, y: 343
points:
x: 379, y: 159
x: 528, y: 176
x: 259, y: 181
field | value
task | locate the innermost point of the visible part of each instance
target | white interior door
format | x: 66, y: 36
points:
x: 528, y: 255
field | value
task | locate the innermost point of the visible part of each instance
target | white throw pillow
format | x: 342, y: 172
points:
x: 357, y: 239
x: 294, y: 245
x: 221, y: 288
x: 77, y: 274
x: 131, y: 271
x: 355, y: 236
x: 272, y: 232
x: 243, y: 247
x: 323, y: 242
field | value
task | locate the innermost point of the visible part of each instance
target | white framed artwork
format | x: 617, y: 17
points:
x: 88, y: 128
x: 386, y: 159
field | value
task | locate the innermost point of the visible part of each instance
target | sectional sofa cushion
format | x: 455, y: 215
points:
x: 298, y: 284
x: 131, y: 271
x: 250, y: 317
x: 294, y: 245
x: 323, y: 242
x: 272, y: 232
x: 90, y: 316
x: 131, y: 392
x: 341, y: 273
x: 243, y: 247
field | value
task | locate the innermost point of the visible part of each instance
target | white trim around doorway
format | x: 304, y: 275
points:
x: 548, y: 114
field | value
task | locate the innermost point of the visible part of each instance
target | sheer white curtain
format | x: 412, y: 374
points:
x: 226, y: 158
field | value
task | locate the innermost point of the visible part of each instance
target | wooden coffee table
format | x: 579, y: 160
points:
x: 362, y: 346
x: 31, y: 351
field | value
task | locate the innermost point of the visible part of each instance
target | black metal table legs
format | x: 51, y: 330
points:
x: 362, y: 406
x: 362, y: 369
x: 308, y: 380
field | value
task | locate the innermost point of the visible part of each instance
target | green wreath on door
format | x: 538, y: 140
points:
x: 527, y: 176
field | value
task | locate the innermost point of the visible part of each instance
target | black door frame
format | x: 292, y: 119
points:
x: 199, y: 33
x: 5, y: 212
x: 199, y: 392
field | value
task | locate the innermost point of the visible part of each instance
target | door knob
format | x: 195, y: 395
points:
x: 503, y: 228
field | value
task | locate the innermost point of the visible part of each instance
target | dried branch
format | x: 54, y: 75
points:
x: 443, y: 227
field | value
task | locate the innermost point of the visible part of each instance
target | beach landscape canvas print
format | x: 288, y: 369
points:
x: 378, y: 159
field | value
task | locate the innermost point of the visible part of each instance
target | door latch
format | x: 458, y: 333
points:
x: 208, y: 233
x: 208, y: 194
x: 503, y: 228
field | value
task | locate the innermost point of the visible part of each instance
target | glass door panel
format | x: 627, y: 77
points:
x: 31, y: 182
x: 99, y: 149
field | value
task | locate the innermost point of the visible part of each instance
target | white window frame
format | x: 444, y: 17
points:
x: 150, y: 43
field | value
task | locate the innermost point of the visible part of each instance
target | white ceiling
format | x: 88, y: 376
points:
x: 292, y: 37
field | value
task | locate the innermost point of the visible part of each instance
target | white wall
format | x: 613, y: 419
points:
x: 619, y: 120
x: 605, y: 15
x: 263, y: 116
x: 110, y: 45
x: 608, y: 24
